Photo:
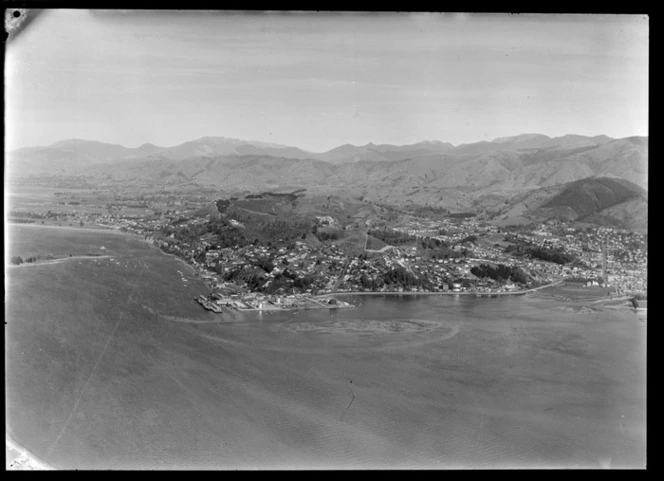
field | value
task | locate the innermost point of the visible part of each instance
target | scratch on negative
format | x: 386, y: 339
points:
x: 349, y: 404
x: 480, y: 431
x: 80, y: 393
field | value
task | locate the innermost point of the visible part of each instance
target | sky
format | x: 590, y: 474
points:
x: 320, y: 80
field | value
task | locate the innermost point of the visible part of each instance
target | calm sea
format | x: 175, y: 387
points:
x: 111, y: 364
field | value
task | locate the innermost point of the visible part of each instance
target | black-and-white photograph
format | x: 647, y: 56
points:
x: 325, y: 240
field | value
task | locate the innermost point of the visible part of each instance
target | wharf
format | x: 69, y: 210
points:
x: 253, y: 303
x: 210, y: 306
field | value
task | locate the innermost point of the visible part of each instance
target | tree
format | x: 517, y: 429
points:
x: 17, y: 260
x: 519, y: 276
x: 266, y: 264
x: 558, y: 256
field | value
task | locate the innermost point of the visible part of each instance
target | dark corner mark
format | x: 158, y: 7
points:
x: 17, y: 20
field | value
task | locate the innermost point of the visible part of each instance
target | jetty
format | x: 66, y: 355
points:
x: 207, y: 304
x: 258, y: 302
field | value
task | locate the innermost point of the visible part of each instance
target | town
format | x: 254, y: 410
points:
x: 304, y: 263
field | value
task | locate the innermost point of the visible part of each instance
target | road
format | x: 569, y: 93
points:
x: 341, y: 275
x: 426, y: 293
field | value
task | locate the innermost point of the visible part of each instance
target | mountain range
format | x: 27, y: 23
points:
x: 484, y: 175
x: 94, y: 151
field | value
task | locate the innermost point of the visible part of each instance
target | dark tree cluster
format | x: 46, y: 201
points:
x: 222, y: 205
x: 199, y: 256
x: 468, y: 239
x: 432, y: 243
x: 391, y: 237
x: 557, y: 256
x: 226, y: 235
x: 290, y: 196
x: 328, y: 234
x: 284, y: 230
x: 265, y: 263
x: 400, y: 277
x: 547, y: 254
x: 306, y: 282
x: 257, y: 281
x: 500, y: 273
x: 371, y: 284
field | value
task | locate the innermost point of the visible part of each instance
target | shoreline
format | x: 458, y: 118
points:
x: 197, y: 274
x: 441, y: 293
x: 301, y: 308
x: 52, y: 226
x: 59, y: 260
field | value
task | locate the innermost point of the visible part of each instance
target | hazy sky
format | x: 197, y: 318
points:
x: 317, y: 81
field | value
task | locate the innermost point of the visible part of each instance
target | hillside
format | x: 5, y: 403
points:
x: 589, y: 196
x: 603, y: 201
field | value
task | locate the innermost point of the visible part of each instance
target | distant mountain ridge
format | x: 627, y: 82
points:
x: 76, y: 154
x: 214, y: 146
x: 494, y: 170
x: 434, y: 173
x: 525, y: 161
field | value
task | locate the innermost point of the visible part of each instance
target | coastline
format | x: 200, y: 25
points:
x: 53, y: 226
x: 441, y: 293
x: 58, y: 260
x: 197, y: 274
